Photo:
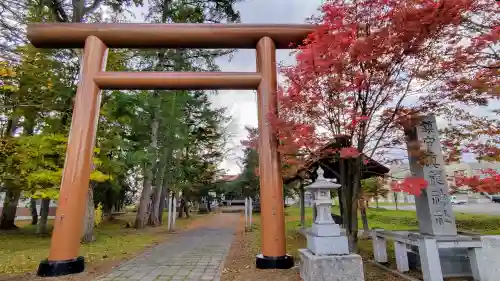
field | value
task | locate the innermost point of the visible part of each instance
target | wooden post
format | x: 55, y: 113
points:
x: 246, y: 213
x: 68, y: 225
x: 271, y: 184
x: 251, y: 212
x: 169, y: 223
x: 174, y: 211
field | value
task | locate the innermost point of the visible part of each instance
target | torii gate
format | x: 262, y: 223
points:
x: 96, y: 39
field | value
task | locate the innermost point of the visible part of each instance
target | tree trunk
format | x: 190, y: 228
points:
x: 154, y: 215
x: 163, y: 198
x: 160, y: 191
x: 396, y: 200
x: 9, y: 209
x: 142, y: 211
x: 181, y: 208
x: 364, y: 218
x: 351, y: 181
x: 107, y: 205
x: 376, y: 202
x: 186, y: 208
x: 42, y: 228
x: 352, y: 230
x: 34, y: 212
x: 302, y: 207
x: 341, y: 201
x: 89, y: 221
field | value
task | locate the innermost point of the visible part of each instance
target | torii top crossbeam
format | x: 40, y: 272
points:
x: 131, y: 35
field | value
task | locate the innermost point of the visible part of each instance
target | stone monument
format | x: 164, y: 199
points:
x: 327, y: 256
x: 434, y: 209
x: 437, y: 247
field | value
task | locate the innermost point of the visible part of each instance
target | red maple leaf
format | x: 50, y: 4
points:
x: 486, y: 180
x: 349, y: 152
x: 414, y: 185
x: 396, y: 186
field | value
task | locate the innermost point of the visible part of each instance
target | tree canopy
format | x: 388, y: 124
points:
x: 149, y: 143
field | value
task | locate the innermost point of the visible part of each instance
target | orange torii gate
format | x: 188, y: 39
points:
x: 96, y: 39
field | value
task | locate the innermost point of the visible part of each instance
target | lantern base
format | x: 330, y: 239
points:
x: 335, y: 245
x: 264, y: 262
x: 331, y: 267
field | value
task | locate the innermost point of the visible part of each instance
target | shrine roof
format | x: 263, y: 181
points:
x: 331, y: 166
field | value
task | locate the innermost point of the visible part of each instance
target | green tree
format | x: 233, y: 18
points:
x: 374, y: 188
x: 370, y: 188
x: 166, y: 149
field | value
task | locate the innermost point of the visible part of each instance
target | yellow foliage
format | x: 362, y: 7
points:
x: 47, y: 193
x: 98, y: 176
x: 98, y: 215
x: 6, y: 70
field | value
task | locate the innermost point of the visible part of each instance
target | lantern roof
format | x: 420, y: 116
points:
x: 322, y: 183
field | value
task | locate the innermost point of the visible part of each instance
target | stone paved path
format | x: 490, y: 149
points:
x: 193, y: 255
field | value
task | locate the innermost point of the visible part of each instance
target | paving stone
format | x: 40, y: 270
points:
x: 199, y: 269
x: 193, y: 255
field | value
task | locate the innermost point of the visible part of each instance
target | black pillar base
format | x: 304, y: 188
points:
x: 264, y: 262
x: 58, y: 268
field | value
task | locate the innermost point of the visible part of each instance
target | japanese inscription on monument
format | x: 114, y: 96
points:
x: 434, y: 209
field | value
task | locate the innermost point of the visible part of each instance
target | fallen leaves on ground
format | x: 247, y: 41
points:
x: 240, y: 262
x: 22, y: 250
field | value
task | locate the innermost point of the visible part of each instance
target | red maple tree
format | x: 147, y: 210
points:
x: 471, y: 59
x: 372, y: 65
x: 487, y: 180
x: 410, y: 185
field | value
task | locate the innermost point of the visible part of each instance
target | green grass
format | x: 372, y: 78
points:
x: 373, y: 204
x: 377, y: 218
x: 22, y: 250
x: 389, y: 220
x: 403, y: 220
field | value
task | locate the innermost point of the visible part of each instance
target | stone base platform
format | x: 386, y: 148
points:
x: 335, y: 245
x: 330, y: 268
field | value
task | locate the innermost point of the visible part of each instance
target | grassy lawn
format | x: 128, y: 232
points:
x: 401, y: 220
x: 22, y: 250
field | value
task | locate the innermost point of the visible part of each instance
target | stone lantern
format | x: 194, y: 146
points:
x: 327, y: 255
x: 325, y: 237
